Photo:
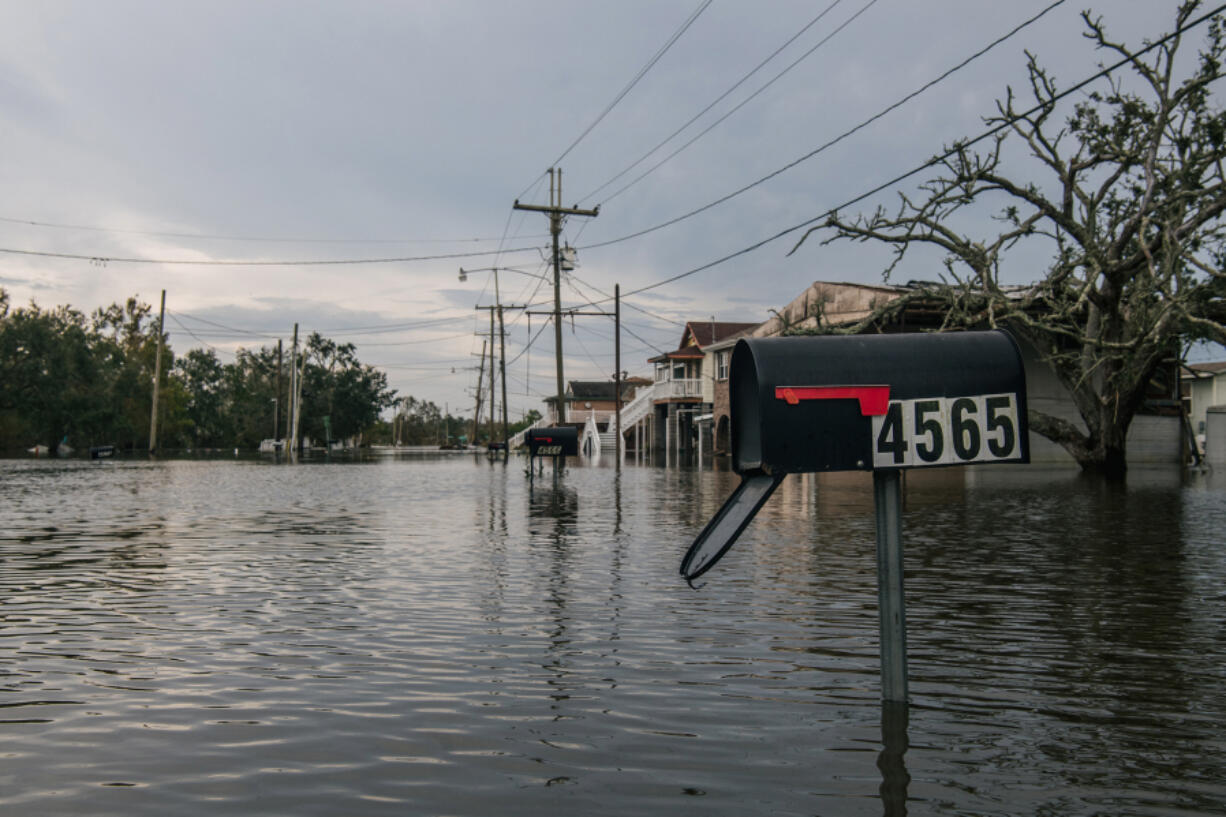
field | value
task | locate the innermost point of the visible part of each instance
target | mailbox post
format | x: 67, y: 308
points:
x: 877, y: 403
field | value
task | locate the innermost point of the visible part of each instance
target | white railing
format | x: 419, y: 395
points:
x: 589, y: 439
x: 678, y: 388
x: 638, y: 408
x: 517, y: 439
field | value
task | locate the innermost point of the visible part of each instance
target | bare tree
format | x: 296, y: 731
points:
x: 1131, y: 204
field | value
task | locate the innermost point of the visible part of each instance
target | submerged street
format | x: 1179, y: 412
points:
x: 433, y: 635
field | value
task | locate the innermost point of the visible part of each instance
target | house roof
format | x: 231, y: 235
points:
x: 707, y: 332
x: 700, y: 334
x: 691, y: 353
x: 598, y: 390
x: 1216, y: 367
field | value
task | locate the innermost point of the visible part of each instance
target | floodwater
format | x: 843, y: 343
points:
x: 434, y: 636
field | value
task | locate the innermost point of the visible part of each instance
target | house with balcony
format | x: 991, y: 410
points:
x: 683, y: 393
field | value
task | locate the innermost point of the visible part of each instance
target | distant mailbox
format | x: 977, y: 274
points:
x: 558, y: 441
x: 863, y: 402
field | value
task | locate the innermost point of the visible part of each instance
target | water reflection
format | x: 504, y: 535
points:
x: 443, y: 635
x: 895, y: 717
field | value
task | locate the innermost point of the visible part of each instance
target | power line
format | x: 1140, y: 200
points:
x: 222, y: 326
x: 103, y: 259
x: 175, y: 318
x: 415, y: 342
x: 961, y: 145
x: 833, y: 141
x: 642, y: 73
x: 625, y: 302
x: 274, y: 239
x: 628, y: 330
x: 721, y: 98
x: 528, y: 346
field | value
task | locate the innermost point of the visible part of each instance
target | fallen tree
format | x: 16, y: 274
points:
x: 1129, y: 202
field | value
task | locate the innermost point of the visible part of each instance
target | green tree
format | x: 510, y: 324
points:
x: 201, y: 376
x: 1126, y: 193
x: 338, y: 386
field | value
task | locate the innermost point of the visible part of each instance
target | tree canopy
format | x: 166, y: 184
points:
x: 1126, y: 192
x: 89, y: 381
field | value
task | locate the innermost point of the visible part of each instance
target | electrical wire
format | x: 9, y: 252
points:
x: 626, y: 303
x: 833, y: 141
x: 213, y: 348
x: 416, y: 342
x: 280, y: 240
x: 721, y: 98
x: 102, y: 259
x: 223, y: 326
x: 961, y: 145
x: 642, y: 73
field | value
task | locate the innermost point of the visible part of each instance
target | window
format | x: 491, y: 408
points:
x: 721, y: 364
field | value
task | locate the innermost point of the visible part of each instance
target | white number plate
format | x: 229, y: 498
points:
x: 947, y: 431
x: 549, y: 451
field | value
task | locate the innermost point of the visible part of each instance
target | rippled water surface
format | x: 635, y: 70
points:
x: 431, y: 636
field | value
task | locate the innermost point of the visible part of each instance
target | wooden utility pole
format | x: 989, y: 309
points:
x: 492, y: 378
x: 556, y: 211
x: 502, y: 373
x: 477, y: 410
x: 157, y: 379
x: 502, y: 358
x: 292, y: 420
x: 617, y: 366
x: 276, y: 404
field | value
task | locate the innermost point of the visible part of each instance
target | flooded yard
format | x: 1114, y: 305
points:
x: 434, y: 635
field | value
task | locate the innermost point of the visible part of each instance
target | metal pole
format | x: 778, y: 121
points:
x: 157, y: 378
x: 887, y: 496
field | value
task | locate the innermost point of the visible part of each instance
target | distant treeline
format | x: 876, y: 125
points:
x: 88, y: 380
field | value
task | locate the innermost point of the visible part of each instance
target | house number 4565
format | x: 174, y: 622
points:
x: 946, y: 431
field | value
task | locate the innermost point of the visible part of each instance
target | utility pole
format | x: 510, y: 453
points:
x: 276, y: 410
x: 502, y: 358
x: 157, y: 378
x: 617, y: 367
x: 492, y: 375
x: 556, y: 211
x: 502, y: 372
x: 292, y: 420
x: 477, y: 410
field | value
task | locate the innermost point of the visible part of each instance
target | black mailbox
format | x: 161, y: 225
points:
x: 860, y: 402
x: 863, y: 402
x: 558, y: 441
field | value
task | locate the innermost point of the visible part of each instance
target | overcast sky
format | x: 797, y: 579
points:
x: 328, y: 131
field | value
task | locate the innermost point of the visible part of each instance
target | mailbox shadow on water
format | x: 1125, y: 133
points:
x: 877, y: 403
